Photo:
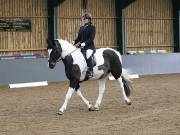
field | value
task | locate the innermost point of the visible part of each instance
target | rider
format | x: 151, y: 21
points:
x: 86, y: 37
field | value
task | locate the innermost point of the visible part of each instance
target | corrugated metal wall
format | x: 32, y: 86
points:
x: 103, y: 11
x: 24, y: 42
x: 149, y: 25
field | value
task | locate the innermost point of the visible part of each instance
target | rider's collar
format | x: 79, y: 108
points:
x: 85, y: 25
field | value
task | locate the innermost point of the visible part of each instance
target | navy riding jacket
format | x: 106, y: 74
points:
x: 87, y: 34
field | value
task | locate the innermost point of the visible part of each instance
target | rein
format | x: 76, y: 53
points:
x: 76, y: 45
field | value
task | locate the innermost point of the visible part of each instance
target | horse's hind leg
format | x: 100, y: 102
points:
x: 101, y: 93
x: 127, y: 100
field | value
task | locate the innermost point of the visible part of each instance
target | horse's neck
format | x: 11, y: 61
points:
x: 67, y: 47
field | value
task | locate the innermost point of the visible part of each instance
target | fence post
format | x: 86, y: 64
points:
x: 55, y: 23
x: 119, y: 26
x: 50, y: 6
x: 179, y: 30
x: 120, y: 23
x: 123, y: 33
x: 176, y: 24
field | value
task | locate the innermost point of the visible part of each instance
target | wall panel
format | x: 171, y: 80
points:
x: 24, y: 42
x: 149, y: 25
x: 103, y: 12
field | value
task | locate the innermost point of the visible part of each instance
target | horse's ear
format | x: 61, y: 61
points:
x: 56, y: 41
x: 50, y: 44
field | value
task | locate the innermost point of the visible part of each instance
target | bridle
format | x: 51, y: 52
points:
x: 61, y: 58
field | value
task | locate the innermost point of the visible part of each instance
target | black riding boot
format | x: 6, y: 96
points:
x: 90, y: 67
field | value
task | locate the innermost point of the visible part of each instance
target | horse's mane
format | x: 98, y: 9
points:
x: 66, y: 43
x: 66, y: 46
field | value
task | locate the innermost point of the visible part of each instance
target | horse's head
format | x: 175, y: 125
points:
x: 54, y: 52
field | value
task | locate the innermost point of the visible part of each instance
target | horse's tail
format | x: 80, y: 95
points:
x: 126, y: 79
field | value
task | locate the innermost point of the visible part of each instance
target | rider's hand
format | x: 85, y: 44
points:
x: 73, y: 42
x: 83, y: 45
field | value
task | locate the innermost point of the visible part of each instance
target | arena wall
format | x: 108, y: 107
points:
x: 148, y: 25
x: 31, y: 70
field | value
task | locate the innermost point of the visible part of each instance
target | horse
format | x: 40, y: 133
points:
x: 108, y: 62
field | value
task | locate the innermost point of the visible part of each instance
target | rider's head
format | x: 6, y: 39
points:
x: 86, y: 17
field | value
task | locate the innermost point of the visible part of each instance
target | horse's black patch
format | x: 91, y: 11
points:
x: 111, y: 64
x: 72, y: 72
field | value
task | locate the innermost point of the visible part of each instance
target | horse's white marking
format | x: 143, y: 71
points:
x: 30, y: 84
x: 78, y: 57
x: 101, y: 92
x: 67, y: 98
x: 89, y: 53
x: 66, y: 46
x: 111, y: 77
x: 49, y: 52
x: 83, y: 98
x: 79, y: 60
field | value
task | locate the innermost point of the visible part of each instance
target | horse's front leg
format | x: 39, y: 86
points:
x: 67, y: 98
x: 101, y: 93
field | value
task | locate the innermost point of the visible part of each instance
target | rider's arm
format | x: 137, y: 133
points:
x: 78, y: 37
x: 92, y: 35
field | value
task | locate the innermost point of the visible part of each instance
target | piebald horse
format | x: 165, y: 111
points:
x: 108, y: 62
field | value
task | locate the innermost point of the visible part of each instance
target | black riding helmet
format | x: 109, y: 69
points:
x: 87, y: 15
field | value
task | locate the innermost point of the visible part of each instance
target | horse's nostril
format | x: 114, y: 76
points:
x: 52, y: 65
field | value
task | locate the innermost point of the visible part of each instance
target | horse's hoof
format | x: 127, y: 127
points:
x: 60, y: 112
x: 91, y: 108
x: 94, y: 108
x: 128, y: 102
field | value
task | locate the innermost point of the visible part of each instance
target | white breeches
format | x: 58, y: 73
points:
x: 89, y: 53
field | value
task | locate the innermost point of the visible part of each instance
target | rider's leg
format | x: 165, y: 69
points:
x: 90, y: 63
x: 89, y: 60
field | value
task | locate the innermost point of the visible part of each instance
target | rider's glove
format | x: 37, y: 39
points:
x: 73, y: 42
x: 82, y: 45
